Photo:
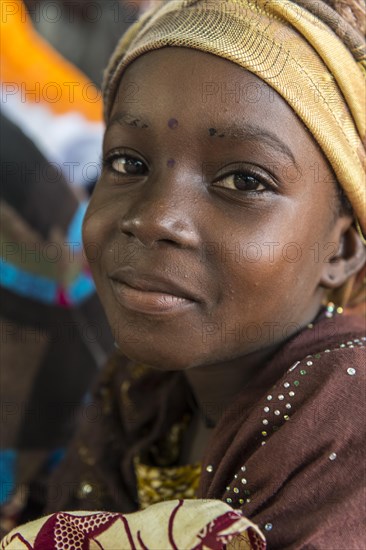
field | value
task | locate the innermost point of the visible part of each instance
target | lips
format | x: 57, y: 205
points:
x: 152, y: 293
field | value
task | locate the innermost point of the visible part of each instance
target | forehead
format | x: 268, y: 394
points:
x: 201, y: 87
x: 203, y: 92
x: 171, y: 75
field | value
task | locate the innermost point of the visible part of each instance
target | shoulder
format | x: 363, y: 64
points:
x: 324, y: 381
x: 327, y: 358
x: 340, y: 363
x: 323, y: 390
x: 315, y: 432
x: 306, y: 465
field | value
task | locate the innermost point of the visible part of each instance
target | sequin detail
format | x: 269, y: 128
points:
x: 85, y: 489
x: 276, y: 412
x: 237, y: 490
x: 274, y: 409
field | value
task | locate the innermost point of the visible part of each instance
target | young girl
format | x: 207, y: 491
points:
x: 225, y: 239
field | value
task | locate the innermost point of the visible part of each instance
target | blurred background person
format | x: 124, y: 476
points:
x: 53, y: 332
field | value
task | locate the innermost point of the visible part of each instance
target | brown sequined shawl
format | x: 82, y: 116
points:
x: 289, y: 451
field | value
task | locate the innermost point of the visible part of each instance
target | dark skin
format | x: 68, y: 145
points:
x: 176, y: 296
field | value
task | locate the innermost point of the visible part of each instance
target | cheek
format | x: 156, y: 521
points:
x: 91, y: 241
x: 97, y: 230
x: 269, y: 272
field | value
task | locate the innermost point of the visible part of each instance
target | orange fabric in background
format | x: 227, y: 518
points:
x: 28, y: 60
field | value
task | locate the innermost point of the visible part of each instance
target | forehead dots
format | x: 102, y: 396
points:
x: 173, y: 123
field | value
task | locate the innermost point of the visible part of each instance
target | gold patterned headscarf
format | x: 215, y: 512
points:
x: 303, y: 49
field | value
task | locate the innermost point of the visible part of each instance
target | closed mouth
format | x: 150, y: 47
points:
x: 150, y: 294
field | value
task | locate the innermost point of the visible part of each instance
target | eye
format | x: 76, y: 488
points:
x: 241, y: 181
x: 126, y: 165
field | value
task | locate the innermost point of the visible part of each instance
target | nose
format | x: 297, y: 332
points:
x: 161, y: 215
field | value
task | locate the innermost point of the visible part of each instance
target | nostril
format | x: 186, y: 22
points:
x: 126, y: 232
x: 170, y: 242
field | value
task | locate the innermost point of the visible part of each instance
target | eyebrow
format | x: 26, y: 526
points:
x: 128, y: 119
x: 251, y: 132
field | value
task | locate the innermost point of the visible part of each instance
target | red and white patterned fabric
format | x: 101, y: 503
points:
x: 175, y: 524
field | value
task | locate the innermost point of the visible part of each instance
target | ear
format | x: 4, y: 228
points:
x: 349, y: 258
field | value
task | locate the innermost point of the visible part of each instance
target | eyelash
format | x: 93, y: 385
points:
x: 248, y: 173
x: 112, y: 157
x: 250, y: 176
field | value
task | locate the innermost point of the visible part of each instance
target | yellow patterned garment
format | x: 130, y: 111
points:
x: 159, y: 476
x: 159, y: 483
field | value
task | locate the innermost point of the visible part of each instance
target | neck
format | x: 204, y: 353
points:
x: 215, y: 386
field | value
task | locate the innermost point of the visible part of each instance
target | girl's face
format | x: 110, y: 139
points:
x: 214, y: 217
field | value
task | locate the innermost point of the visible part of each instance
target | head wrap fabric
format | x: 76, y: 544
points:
x: 318, y: 67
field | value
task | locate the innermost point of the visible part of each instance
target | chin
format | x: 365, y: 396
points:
x: 164, y: 361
